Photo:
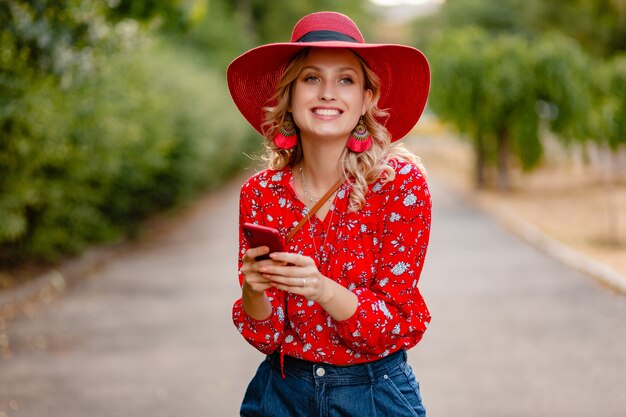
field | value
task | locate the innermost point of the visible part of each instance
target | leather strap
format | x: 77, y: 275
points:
x: 314, y: 210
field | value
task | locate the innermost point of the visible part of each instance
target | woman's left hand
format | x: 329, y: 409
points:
x: 299, y: 276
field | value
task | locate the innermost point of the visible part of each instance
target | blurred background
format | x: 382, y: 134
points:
x: 113, y: 112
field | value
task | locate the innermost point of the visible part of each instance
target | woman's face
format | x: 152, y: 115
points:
x: 329, y: 96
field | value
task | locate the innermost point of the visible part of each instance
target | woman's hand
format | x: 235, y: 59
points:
x: 297, y: 274
x: 255, y: 302
x: 253, y: 280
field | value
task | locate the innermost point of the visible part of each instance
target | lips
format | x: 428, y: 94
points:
x: 326, y: 111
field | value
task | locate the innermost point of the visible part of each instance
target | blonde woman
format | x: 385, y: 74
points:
x: 336, y: 310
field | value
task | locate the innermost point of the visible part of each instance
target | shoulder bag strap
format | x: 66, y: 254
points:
x: 314, y: 210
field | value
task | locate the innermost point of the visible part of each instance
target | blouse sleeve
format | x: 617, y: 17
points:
x: 265, y: 335
x: 391, y: 313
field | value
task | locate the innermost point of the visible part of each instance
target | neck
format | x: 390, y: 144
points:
x: 321, y: 167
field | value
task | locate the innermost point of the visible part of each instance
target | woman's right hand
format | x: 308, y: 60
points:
x: 254, y: 281
x: 255, y: 302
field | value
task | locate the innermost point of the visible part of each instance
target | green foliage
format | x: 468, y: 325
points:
x: 490, y: 88
x: 456, y: 54
x: 169, y: 15
x: 565, y: 83
x: 145, y: 10
x: 486, y: 88
x: 273, y: 20
x: 494, y: 16
x: 222, y: 29
x: 211, y: 35
x: 609, y: 121
x: 533, y: 64
x: 599, y: 26
x: 44, y: 37
x: 101, y: 124
x: 617, y: 134
x: 509, y: 82
x: 82, y: 165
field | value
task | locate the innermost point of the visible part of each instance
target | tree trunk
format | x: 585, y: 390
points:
x: 504, y: 144
x: 480, y: 162
x: 613, y: 238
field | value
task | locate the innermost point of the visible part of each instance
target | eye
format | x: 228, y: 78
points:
x: 346, y: 80
x: 310, y: 78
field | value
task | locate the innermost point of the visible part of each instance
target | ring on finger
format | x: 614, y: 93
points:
x: 303, y: 282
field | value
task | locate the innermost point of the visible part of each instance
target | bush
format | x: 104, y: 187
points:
x: 83, y: 164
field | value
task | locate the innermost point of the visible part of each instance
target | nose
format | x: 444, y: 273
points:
x: 327, y: 91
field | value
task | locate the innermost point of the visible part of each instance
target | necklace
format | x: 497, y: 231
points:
x: 307, y: 194
x: 314, y: 200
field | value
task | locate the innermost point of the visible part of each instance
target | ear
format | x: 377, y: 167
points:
x: 367, y: 99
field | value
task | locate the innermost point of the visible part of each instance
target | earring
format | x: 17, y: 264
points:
x: 360, y: 140
x: 286, y: 137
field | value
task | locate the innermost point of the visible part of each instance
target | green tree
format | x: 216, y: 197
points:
x: 564, y: 87
x: 494, y: 16
x: 272, y: 21
x: 217, y: 30
x: 101, y: 124
x: 45, y: 38
x: 609, y: 120
x: 491, y: 89
x: 599, y: 26
x: 608, y: 123
x: 45, y: 45
x: 457, y: 77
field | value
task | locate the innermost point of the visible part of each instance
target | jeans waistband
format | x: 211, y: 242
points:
x: 346, y: 374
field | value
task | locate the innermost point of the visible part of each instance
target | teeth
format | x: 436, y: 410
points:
x: 327, y: 112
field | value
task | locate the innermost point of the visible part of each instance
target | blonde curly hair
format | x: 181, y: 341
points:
x: 359, y: 168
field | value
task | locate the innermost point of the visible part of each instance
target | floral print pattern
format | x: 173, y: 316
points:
x: 377, y: 253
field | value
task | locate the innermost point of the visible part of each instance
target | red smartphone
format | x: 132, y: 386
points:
x: 258, y: 235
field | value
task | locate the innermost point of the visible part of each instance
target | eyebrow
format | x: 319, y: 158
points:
x: 342, y: 69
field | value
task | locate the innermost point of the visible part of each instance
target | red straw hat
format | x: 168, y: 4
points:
x: 403, y: 70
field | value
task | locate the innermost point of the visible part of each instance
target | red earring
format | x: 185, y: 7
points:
x: 286, y: 137
x: 360, y: 140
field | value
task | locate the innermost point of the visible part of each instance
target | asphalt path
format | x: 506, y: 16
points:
x: 514, y: 333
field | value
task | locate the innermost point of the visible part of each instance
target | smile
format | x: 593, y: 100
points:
x: 327, y: 112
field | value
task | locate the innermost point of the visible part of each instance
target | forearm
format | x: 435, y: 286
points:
x: 256, y: 304
x: 338, y: 301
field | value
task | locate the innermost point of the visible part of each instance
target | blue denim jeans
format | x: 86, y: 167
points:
x: 386, y: 387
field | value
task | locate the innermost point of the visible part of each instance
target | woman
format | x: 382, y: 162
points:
x: 336, y: 312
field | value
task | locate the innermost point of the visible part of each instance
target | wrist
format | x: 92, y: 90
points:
x: 250, y: 295
x: 336, y: 300
x: 328, y: 293
x: 256, y: 304
x: 247, y: 290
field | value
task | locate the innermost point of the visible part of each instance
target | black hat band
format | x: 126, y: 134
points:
x: 326, y: 36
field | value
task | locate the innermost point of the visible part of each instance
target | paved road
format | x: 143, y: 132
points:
x: 514, y: 333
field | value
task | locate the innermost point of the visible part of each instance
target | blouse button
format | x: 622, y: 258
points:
x: 320, y: 372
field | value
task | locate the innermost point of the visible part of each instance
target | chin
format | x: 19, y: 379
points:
x: 330, y: 134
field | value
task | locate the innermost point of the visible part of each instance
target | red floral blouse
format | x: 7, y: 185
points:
x: 377, y: 253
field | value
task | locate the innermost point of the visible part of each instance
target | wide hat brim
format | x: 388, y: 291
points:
x: 403, y: 71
